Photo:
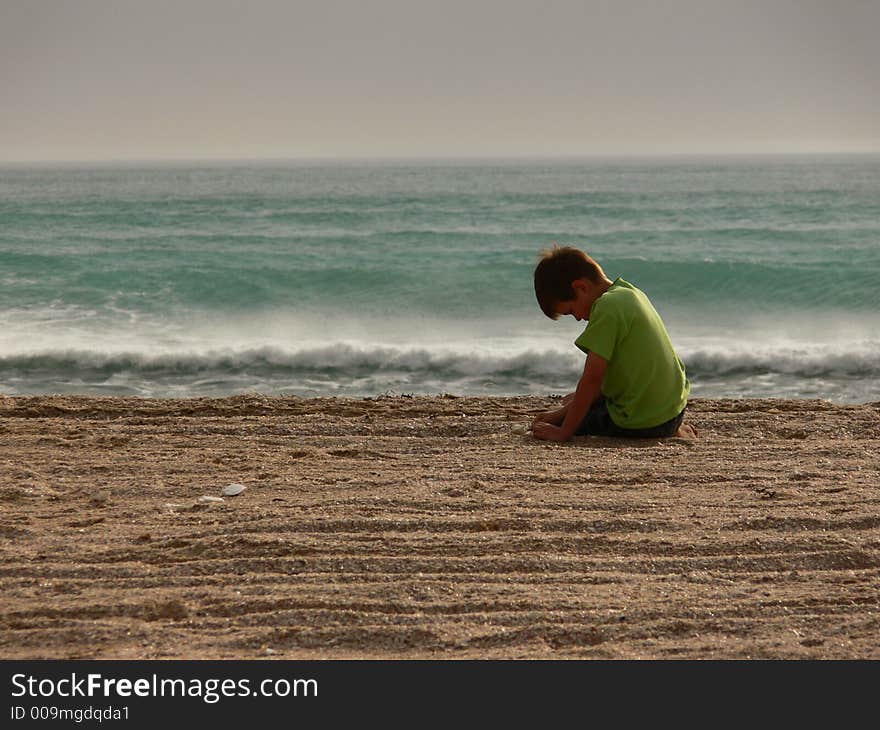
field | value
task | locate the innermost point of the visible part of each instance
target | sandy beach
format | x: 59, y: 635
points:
x: 433, y: 527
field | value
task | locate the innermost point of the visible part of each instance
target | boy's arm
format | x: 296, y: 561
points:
x: 588, y: 389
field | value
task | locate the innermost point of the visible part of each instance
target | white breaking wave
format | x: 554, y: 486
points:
x: 858, y: 359
x: 341, y: 357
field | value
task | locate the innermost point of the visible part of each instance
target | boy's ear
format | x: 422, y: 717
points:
x: 579, y: 284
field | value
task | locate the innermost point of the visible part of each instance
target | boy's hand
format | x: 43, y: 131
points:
x: 548, y: 432
x: 543, y: 418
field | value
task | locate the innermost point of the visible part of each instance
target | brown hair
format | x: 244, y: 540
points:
x: 556, y: 270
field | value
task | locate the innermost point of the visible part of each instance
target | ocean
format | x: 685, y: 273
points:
x: 370, y: 278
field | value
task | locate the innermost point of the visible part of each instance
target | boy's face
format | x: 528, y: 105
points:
x: 579, y: 307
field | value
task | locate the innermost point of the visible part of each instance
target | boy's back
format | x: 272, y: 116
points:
x: 645, y: 382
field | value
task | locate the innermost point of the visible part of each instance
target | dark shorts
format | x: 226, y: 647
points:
x: 598, y: 423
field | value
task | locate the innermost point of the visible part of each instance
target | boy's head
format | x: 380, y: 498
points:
x: 564, y: 278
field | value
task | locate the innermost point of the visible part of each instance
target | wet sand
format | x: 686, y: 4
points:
x: 409, y: 527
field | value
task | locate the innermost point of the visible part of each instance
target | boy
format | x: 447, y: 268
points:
x: 633, y: 384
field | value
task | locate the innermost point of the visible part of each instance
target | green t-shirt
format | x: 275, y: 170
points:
x: 645, y: 383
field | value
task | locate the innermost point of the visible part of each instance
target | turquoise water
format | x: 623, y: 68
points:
x: 366, y: 278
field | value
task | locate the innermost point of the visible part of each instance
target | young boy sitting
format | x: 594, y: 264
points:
x: 633, y: 384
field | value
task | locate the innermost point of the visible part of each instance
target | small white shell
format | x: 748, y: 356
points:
x: 519, y: 428
x: 231, y: 490
x: 205, y: 498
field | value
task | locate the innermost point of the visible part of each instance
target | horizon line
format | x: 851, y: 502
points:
x: 366, y: 159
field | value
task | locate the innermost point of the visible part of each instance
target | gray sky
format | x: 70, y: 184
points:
x: 123, y: 79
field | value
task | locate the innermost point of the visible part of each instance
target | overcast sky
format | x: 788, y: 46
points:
x: 157, y: 79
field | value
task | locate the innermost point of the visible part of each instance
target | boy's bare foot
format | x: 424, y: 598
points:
x: 686, y: 431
